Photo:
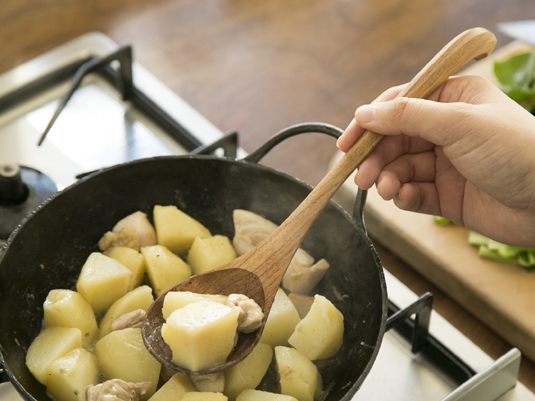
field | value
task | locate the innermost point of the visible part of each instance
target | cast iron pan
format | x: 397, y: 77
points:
x: 49, y: 248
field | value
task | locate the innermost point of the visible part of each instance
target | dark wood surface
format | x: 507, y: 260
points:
x: 259, y: 66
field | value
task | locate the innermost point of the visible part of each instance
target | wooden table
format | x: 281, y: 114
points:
x: 259, y: 66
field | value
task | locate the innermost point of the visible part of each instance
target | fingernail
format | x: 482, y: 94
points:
x: 364, y: 114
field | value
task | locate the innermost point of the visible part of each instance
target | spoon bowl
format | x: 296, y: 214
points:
x: 259, y: 272
x: 220, y: 281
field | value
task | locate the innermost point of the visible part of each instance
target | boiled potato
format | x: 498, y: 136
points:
x: 140, y: 298
x: 174, y: 389
x: 67, y: 308
x: 51, y: 344
x: 122, y: 355
x: 298, y: 376
x: 70, y: 375
x: 208, y: 253
x: 132, y: 260
x: 178, y: 299
x: 164, y: 268
x: 176, y: 230
x: 201, y: 334
x: 204, y: 396
x: 302, y: 303
x: 249, y: 372
x: 319, y: 335
x: 281, y: 321
x: 257, y: 395
x: 102, y: 281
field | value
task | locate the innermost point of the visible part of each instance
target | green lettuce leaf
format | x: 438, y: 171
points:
x: 517, y: 76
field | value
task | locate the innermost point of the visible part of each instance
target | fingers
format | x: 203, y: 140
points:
x: 350, y: 136
x: 439, y: 123
x: 388, y: 150
x: 409, y: 181
x: 354, y: 131
x: 420, y: 197
x: 434, y: 119
x: 407, y: 168
x: 451, y: 110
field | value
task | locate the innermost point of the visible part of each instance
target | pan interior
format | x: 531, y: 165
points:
x: 48, y: 250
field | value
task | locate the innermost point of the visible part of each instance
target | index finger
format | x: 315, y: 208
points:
x: 354, y: 130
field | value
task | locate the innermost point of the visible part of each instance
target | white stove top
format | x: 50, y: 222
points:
x: 78, y: 144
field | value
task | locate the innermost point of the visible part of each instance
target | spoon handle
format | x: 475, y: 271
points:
x: 474, y: 43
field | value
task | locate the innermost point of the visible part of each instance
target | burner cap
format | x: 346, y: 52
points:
x: 22, y: 189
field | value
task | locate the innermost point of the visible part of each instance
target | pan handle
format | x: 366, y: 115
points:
x: 3, y: 376
x: 307, y: 128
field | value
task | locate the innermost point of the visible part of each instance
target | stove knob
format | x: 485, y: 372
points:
x: 13, y: 191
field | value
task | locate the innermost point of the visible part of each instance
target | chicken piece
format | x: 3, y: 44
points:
x: 139, y: 222
x: 116, y: 390
x: 127, y: 320
x: 126, y: 237
x: 251, y: 315
x: 302, y: 275
x: 212, y: 383
x: 134, y: 231
x: 301, y: 278
x: 250, y: 230
x: 302, y: 303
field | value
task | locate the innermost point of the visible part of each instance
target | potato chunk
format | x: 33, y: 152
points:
x: 176, y: 230
x: 178, y: 299
x: 204, y: 396
x: 281, y: 321
x: 302, y: 303
x: 257, y: 395
x: 122, y: 355
x: 174, y: 389
x: 208, y: 253
x: 102, y: 281
x: 201, y: 334
x: 298, y: 376
x: 132, y: 260
x: 319, y: 335
x: 140, y: 298
x: 249, y: 372
x: 67, y: 308
x: 51, y: 344
x: 70, y: 375
x: 164, y: 268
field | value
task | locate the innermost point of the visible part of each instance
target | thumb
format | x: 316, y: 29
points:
x: 433, y: 121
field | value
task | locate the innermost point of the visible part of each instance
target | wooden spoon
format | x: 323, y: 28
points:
x: 258, y: 273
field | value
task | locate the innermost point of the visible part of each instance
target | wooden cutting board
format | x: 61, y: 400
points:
x: 501, y: 295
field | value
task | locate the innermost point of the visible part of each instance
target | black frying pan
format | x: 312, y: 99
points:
x: 49, y: 248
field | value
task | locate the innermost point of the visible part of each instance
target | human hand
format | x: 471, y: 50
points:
x: 467, y: 153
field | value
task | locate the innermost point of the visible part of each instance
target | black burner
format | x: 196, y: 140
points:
x: 22, y: 189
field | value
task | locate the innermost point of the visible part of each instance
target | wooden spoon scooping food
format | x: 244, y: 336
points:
x: 258, y: 273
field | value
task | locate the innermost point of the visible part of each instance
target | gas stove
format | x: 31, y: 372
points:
x: 121, y: 113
